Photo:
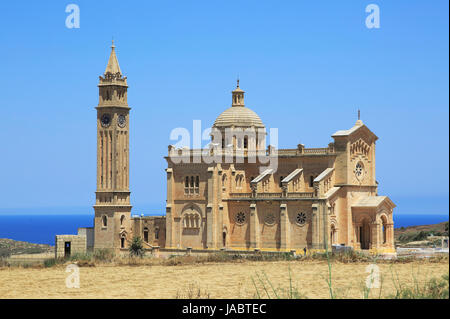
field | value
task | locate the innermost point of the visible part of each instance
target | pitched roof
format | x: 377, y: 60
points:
x: 358, y: 125
x: 288, y: 178
x: 323, y: 174
x: 262, y: 175
x: 372, y: 201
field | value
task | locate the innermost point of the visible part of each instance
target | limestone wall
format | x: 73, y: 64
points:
x: 77, y: 244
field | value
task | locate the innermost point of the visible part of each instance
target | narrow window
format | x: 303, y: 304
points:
x: 146, y: 234
x: 122, y: 242
x: 245, y: 142
x: 281, y: 178
x: 311, y: 181
x: 192, y: 181
x: 104, y: 221
x: 156, y: 233
x: 186, y: 182
x: 197, y: 181
x: 122, y: 218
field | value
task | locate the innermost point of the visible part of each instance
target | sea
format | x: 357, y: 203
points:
x: 41, y: 229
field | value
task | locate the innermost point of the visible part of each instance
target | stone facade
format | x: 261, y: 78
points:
x: 314, y: 198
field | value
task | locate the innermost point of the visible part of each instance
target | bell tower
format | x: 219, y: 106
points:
x: 112, y: 222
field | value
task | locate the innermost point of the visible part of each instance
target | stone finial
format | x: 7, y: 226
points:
x: 359, y: 122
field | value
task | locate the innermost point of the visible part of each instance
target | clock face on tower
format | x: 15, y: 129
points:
x: 106, y: 120
x: 121, y: 121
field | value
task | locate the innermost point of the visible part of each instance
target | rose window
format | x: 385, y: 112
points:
x: 270, y: 219
x: 359, y: 170
x: 300, y: 218
x: 240, y: 218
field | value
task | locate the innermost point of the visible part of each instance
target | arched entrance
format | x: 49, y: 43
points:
x: 224, y: 237
x: 333, y: 234
x: 383, y: 229
x: 364, y: 234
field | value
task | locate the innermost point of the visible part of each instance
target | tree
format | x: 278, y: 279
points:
x: 136, y: 247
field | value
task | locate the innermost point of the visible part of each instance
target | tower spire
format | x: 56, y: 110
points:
x: 113, y: 64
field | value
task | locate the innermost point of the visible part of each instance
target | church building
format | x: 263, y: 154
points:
x: 239, y: 194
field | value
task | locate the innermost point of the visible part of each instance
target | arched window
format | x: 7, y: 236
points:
x: 192, y: 181
x: 104, y: 221
x: 224, y: 181
x: 197, y: 181
x: 122, y: 219
x: 333, y: 235
x: 122, y: 242
x: 245, y: 142
x: 384, y: 229
x: 191, y: 220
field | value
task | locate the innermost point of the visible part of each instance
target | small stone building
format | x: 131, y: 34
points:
x: 68, y: 245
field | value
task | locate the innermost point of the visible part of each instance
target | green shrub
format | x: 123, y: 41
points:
x: 136, y: 249
x: 49, y: 262
x: 433, y: 289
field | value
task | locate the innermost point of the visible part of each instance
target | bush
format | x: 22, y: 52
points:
x: 136, y: 248
x: 433, y: 289
x: 105, y: 255
x: 49, y: 262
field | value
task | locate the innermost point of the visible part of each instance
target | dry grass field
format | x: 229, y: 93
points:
x: 213, y: 280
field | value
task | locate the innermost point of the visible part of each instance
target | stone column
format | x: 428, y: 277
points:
x: 169, y: 217
x: 375, y: 239
x: 169, y: 225
x: 284, y: 228
x: 220, y: 228
x: 315, y: 226
x: 210, y: 218
x: 254, y: 227
x: 390, y: 234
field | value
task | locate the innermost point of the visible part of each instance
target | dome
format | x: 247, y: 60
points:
x: 238, y: 116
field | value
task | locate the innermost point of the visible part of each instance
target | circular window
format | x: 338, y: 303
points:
x: 240, y: 218
x: 269, y: 219
x: 300, y: 218
x: 359, y: 170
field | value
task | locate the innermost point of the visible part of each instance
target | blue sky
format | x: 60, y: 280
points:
x: 307, y: 66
